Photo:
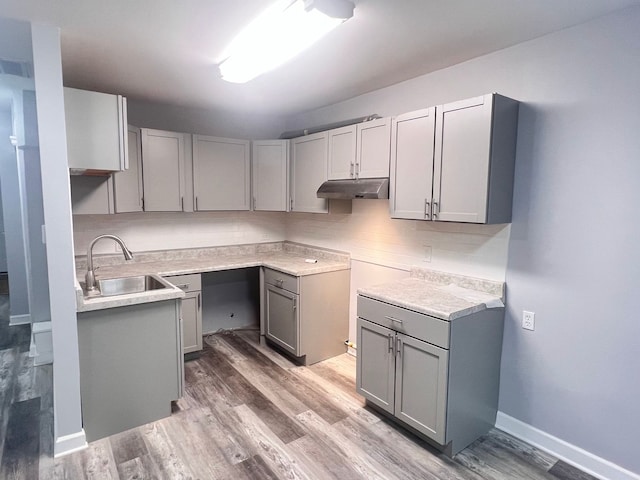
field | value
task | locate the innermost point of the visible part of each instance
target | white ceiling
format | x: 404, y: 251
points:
x: 165, y: 50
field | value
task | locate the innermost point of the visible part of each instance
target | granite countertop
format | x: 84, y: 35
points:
x: 441, y: 295
x: 286, y: 257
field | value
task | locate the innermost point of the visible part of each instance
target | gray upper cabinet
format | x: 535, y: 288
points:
x: 360, y: 150
x: 163, y: 162
x: 270, y: 175
x: 411, y: 183
x: 342, y: 152
x: 96, y: 125
x: 308, y: 172
x: 127, y: 185
x: 221, y: 173
x: 373, y: 144
x: 472, y: 158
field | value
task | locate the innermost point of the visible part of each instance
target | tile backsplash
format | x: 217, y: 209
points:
x: 368, y: 233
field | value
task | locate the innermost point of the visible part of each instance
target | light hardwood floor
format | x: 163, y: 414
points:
x: 249, y: 413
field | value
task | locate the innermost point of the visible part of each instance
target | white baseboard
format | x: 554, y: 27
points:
x: 571, y: 454
x: 19, y: 319
x: 70, y: 443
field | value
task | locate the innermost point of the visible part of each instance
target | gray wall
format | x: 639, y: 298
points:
x: 573, y: 253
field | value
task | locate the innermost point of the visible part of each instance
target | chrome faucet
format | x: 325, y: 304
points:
x: 90, y: 278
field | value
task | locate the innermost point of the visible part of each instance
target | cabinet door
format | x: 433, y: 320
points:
x: 191, y: 322
x: 461, y: 169
x: 373, y: 147
x: 342, y: 152
x: 308, y: 172
x: 163, y: 165
x: 91, y: 195
x: 127, y: 185
x: 96, y: 130
x: 375, y: 364
x: 410, y: 189
x: 421, y: 386
x: 221, y: 173
x: 282, y: 318
x: 270, y: 174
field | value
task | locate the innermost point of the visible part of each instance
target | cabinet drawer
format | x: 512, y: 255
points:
x: 188, y: 283
x: 281, y: 280
x: 414, y: 324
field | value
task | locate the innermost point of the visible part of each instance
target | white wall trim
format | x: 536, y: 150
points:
x: 70, y: 443
x: 20, y: 319
x: 573, y: 455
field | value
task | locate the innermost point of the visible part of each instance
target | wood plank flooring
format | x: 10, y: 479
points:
x: 249, y: 413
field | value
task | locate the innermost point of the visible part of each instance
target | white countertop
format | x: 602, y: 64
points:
x: 285, y: 257
x: 438, y: 294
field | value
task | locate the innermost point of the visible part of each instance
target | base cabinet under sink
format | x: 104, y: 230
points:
x: 439, y: 378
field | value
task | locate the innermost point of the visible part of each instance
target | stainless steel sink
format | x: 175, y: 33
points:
x: 125, y: 285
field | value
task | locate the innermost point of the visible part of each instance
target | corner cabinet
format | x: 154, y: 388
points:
x: 455, y: 162
x: 270, y: 175
x: 360, y: 150
x: 163, y: 162
x: 308, y: 172
x: 221, y: 173
x: 308, y: 316
x: 96, y: 125
x: 438, y: 377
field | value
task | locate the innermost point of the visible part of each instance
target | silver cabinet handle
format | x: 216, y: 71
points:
x: 198, y: 301
x: 295, y: 303
x: 351, y: 170
x: 395, y: 320
x: 279, y: 282
x: 182, y: 203
x: 399, y: 347
x: 183, y: 286
x: 357, y: 171
x: 435, y: 209
x: 427, y: 208
x: 255, y: 203
x: 390, y: 337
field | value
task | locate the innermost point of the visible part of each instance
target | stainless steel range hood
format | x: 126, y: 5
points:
x: 349, y: 189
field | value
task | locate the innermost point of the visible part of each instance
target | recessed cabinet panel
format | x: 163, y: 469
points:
x: 375, y: 364
x: 163, y: 165
x: 412, y: 140
x: 270, y: 174
x: 127, y: 185
x: 282, y: 318
x: 373, y: 145
x: 221, y: 173
x: 308, y: 172
x: 421, y: 386
x: 461, y: 169
x: 191, y: 322
x: 342, y: 152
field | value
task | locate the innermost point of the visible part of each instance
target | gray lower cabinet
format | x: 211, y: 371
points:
x: 137, y: 385
x: 437, y: 377
x: 191, y: 310
x: 307, y: 316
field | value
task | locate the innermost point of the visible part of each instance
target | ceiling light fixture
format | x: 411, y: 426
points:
x: 281, y: 32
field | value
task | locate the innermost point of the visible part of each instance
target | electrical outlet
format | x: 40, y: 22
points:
x: 528, y: 320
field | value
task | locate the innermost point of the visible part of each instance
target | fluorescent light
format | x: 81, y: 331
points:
x: 277, y: 35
